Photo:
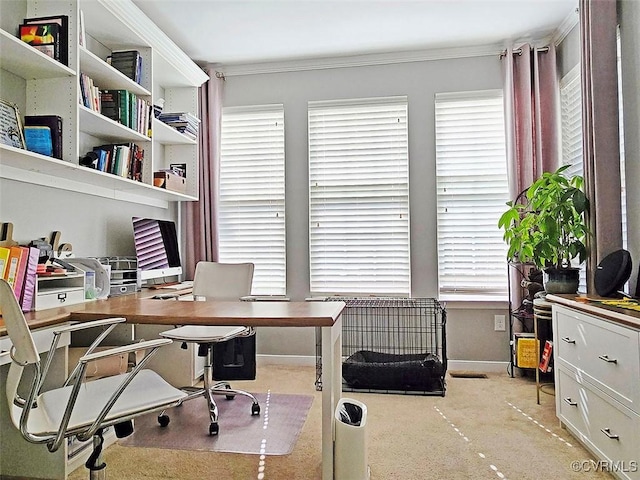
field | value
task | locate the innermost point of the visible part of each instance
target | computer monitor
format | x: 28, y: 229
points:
x: 156, y: 243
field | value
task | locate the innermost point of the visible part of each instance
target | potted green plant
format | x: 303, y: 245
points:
x: 546, y: 226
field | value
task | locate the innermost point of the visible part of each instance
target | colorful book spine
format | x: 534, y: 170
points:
x: 4, y: 261
x: 27, y: 301
x: 15, y: 258
x: 18, y: 288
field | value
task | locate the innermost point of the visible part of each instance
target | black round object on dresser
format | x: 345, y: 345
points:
x: 612, y: 272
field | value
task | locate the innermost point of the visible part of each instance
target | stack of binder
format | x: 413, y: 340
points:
x: 184, y: 122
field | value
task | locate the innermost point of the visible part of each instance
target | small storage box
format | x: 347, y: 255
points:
x: 170, y: 181
x: 59, y: 297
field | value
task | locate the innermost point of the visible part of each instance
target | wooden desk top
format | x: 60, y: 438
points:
x: 253, y: 314
x: 138, y: 309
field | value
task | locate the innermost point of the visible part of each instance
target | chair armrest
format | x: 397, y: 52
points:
x: 110, y: 323
x: 94, y: 323
x: 125, y: 349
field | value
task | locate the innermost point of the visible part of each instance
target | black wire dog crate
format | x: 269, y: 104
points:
x: 391, y: 345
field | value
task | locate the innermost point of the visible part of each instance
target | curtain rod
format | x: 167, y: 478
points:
x: 518, y: 51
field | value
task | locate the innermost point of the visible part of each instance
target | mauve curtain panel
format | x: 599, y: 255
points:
x: 532, y: 117
x: 531, y: 99
x: 200, y: 219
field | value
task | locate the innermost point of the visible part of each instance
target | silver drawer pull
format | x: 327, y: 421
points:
x: 568, y: 401
x: 568, y: 340
x: 608, y: 433
x: 607, y: 359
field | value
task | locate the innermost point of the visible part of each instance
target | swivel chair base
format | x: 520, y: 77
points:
x: 210, y: 389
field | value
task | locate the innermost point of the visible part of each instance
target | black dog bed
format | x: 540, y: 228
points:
x: 375, y: 370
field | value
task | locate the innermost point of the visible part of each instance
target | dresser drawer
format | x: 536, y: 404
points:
x: 608, y: 354
x: 607, y: 427
x: 570, y: 406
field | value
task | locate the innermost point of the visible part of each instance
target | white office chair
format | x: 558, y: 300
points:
x: 215, y: 281
x: 77, y: 408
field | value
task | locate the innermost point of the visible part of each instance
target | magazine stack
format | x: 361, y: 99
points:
x: 184, y: 122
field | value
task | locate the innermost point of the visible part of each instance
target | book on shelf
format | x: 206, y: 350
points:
x: 90, y: 93
x: 27, y: 299
x: 44, y: 37
x: 81, y: 32
x: 127, y: 62
x: 110, y: 104
x: 63, y: 38
x: 18, y: 287
x: 126, y: 108
x: 4, y: 261
x: 54, y: 123
x: 38, y: 140
x: 16, y: 261
x: 122, y: 159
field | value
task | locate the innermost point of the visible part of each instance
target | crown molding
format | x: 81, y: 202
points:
x: 360, y: 60
x: 565, y: 27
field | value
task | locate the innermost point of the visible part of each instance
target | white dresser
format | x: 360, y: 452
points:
x: 597, y: 364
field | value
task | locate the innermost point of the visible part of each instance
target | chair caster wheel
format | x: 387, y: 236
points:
x: 229, y: 397
x: 255, y: 409
x: 163, y: 420
x: 214, y: 429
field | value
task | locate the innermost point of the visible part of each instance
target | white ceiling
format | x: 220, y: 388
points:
x: 232, y: 32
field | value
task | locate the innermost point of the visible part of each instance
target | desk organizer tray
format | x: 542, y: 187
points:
x: 368, y: 369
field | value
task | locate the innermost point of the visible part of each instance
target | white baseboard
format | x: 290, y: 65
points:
x: 478, y: 366
x: 302, y: 360
x: 310, y: 361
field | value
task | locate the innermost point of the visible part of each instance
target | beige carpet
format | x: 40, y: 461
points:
x: 483, y: 428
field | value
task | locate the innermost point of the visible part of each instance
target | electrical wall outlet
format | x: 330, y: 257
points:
x: 499, y: 322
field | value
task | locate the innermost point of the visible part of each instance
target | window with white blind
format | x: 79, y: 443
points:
x: 252, y: 194
x: 571, y: 121
x: 623, y: 185
x: 472, y: 191
x: 359, y: 197
x: 571, y: 133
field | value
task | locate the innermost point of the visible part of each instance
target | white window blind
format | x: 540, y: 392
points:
x: 252, y: 194
x: 571, y: 128
x: 359, y: 197
x: 623, y: 186
x: 571, y: 121
x: 472, y: 191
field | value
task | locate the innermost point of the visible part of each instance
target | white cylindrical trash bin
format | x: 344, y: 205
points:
x: 351, y: 461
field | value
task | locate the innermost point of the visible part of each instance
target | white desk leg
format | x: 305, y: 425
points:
x: 331, y: 391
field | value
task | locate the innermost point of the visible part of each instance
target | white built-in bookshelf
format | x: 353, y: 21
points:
x: 39, y: 85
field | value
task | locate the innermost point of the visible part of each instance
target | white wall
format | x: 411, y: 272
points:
x: 470, y: 332
x: 94, y: 226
